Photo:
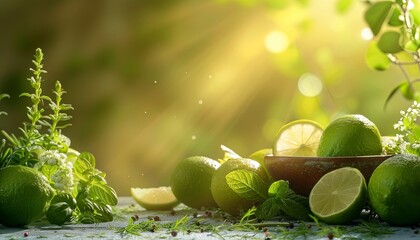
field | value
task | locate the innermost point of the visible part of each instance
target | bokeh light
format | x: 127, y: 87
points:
x: 309, y: 85
x: 154, y: 82
x: 366, y: 34
x: 276, y: 42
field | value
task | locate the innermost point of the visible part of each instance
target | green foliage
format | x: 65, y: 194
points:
x: 283, y: 201
x: 396, y: 27
x: 247, y: 184
x: 407, y: 139
x: 277, y: 200
x: 82, y: 191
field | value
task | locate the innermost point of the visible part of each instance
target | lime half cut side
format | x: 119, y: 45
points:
x: 160, y: 198
x: 298, y: 138
x: 339, y: 196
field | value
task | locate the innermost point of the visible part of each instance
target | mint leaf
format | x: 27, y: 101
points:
x: 247, y: 185
x: 268, y: 209
x: 304, y: 201
x: 293, y: 208
x: 279, y: 189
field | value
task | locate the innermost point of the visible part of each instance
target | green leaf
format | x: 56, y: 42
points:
x: 247, y: 185
x: 104, y: 193
x: 395, y: 90
x: 376, y: 59
x: 407, y: 91
x: 294, y: 209
x: 299, y: 198
x: 415, y: 13
x: 82, y: 168
x: 344, y: 5
x: 389, y: 42
x: 411, y: 46
x: 4, y: 95
x: 64, y: 197
x: 59, y: 213
x: 376, y: 15
x: 88, y: 157
x: 395, y: 20
x: 268, y: 209
x: 279, y: 189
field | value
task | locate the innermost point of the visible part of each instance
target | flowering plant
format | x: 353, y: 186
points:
x: 407, y: 139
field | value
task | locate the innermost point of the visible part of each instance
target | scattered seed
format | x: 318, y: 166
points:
x: 330, y: 236
x: 25, y: 234
x: 208, y: 214
x: 416, y: 231
x: 174, y: 233
x: 173, y: 212
x: 156, y: 218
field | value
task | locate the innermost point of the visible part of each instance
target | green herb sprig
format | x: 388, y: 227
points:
x: 43, y: 146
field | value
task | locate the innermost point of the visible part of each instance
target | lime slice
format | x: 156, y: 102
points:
x: 160, y: 198
x: 298, y: 138
x: 339, y: 196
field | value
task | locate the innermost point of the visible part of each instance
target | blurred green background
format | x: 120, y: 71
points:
x: 153, y: 82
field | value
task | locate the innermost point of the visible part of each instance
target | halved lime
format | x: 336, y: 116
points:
x: 298, y: 138
x: 339, y: 196
x: 160, y: 198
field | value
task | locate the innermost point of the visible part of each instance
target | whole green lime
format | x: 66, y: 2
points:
x: 191, y: 179
x: 24, y: 195
x: 350, y: 135
x: 394, y: 190
x: 259, y: 155
x: 227, y: 199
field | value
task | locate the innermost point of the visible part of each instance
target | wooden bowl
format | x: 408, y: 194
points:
x: 304, y: 172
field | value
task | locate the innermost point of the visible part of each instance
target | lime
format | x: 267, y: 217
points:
x: 24, y: 195
x: 350, y: 135
x: 260, y: 155
x: 191, y: 179
x: 298, y: 138
x: 394, y: 192
x: 225, y: 197
x: 160, y: 198
x: 339, y: 196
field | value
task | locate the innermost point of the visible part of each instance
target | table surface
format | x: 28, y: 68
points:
x: 127, y: 208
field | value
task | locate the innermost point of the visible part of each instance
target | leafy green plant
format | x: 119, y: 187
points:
x: 396, y: 29
x: 407, y: 139
x: 42, y: 146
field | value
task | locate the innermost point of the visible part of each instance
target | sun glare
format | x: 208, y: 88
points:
x: 309, y: 85
x: 276, y: 42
